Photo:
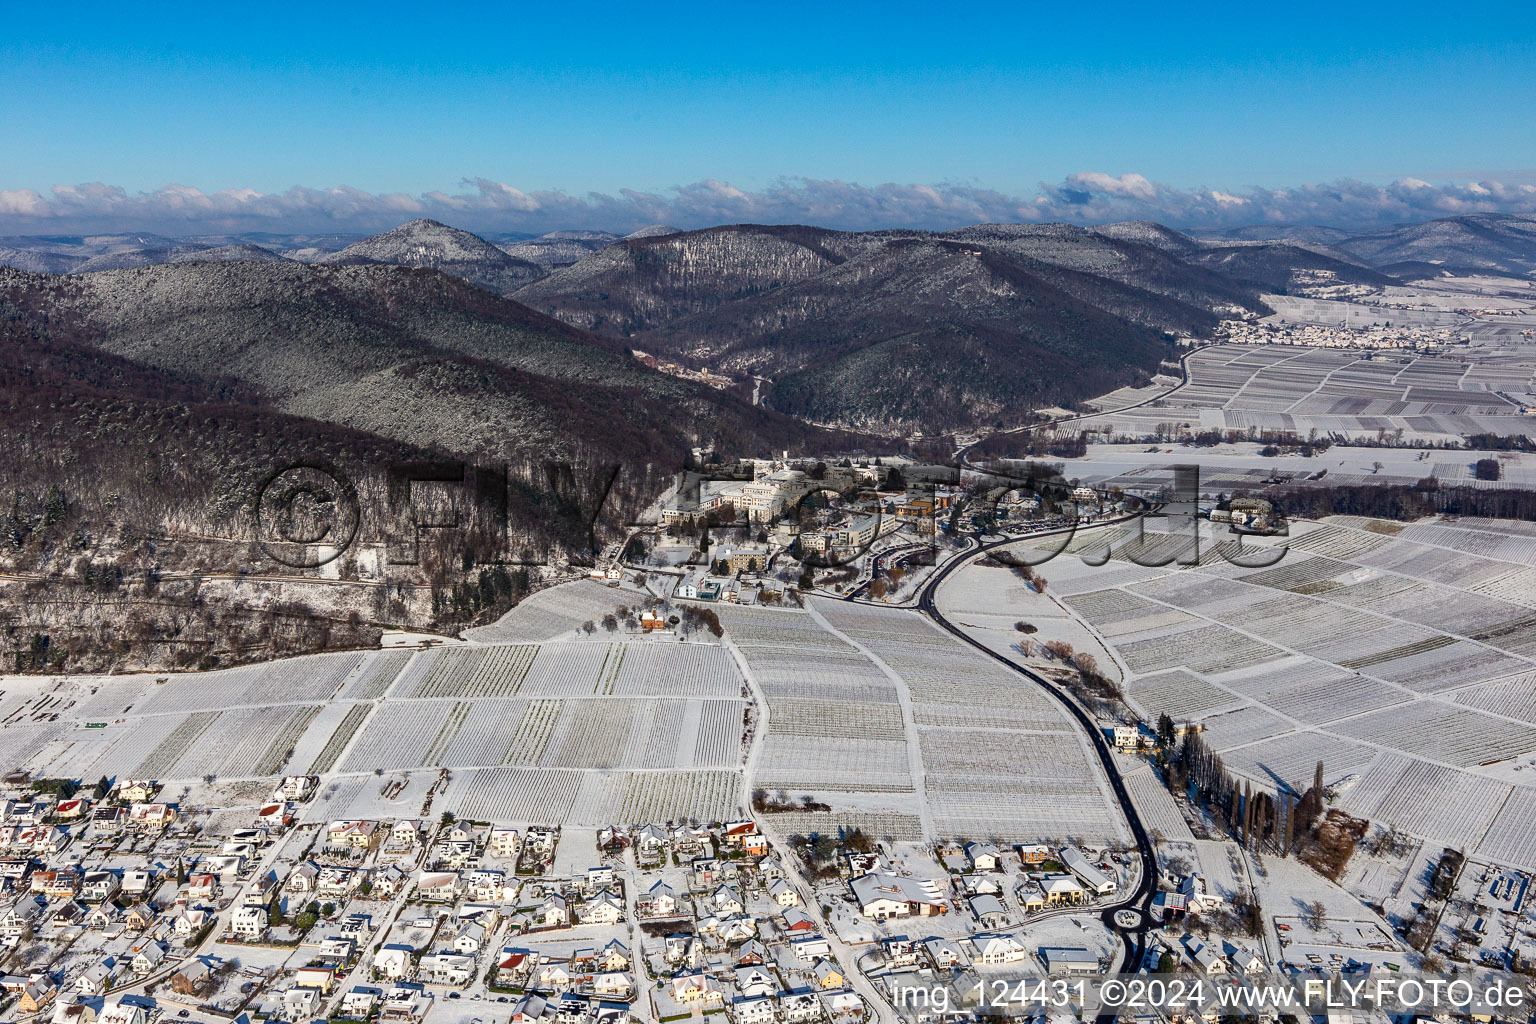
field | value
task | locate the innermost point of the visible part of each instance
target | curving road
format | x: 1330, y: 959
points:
x: 1139, y: 900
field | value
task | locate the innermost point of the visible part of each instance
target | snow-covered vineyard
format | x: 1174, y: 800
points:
x: 1402, y: 656
x: 582, y: 729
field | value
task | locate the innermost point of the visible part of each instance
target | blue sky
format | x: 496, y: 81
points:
x: 409, y: 99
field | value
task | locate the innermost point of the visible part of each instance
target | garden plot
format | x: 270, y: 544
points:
x: 371, y: 679
x: 556, y: 612
x: 1337, y: 695
x: 113, y: 697
x: 636, y: 798
x: 481, y: 736
x: 1517, y: 638
x: 657, y: 740
x: 158, y: 761
x: 1511, y: 838
x: 1000, y: 754
x: 1202, y: 593
x: 836, y: 719
x: 532, y: 795
x: 587, y: 798
x: 1025, y: 810
x: 1517, y: 586
x: 1207, y: 649
x: 571, y: 669
x: 1431, y: 800
x: 290, y: 681
x: 1180, y: 695
x: 1444, y: 732
x: 240, y: 743
x: 19, y: 744
x: 1116, y: 613
x: 1447, y: 667
x: 473, y: 672
x: 1241, y: 727
x: 1159, y: 810
x: 825, y: 677
x: 1289, y: 760
x: 589, y: 734
x: 759, y: 627
x: 1332, y: 541
x: 338, y: 723
x: 811, y: 764
x: 903, y: 828
x: 678, y: 670
x: 719, y: 733
x: 398, y: 735
x: 1513, y: 697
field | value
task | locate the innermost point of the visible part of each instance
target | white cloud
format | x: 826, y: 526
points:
x: 484, y: 204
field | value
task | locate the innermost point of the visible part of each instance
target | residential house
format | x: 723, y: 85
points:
x: 301, y: 1002
x: 659, y: 901
x: 351, y: 834
x: 800, y: 1007
x: 136, y: 791
x: 612, y: 985
x: 359, y: 1000
x: 36, y: 994
x: 1033, y: 853
x: 194, y: 976
x: 727, y: 900
x: 104, y: 916
x: 107, y: 820
x: 296, y: 787
x: 783, y: 893
x: 151, y: 817
x: 469, y: 938
x: 438, y: 886
x: 514, y: 967
x: 99, y: 886
x: 696, y: 990
x: 755, y: 981
x: 122, y: 1013
x: 150, y: 955
x: 447, y: 968
x: 404, y: 1004
x: 393, y: 961
x: 983, y: 856
x: 406, y: 835
x: 998, y: 949
x: 810, y: 948
x: 944, y: 953
x: 1202, y: 957
x: 139, y: 917
x: 552, y: 913
x: 190, y: 921
x: 505, y: 842
x: 23, y: 916
x: 827, y: 975
x: 248, y: 922
x: 97, y: 980
x: 757, y: 1010
x: 138, y: 882
x: 1059, y: 888
x: 604, y: 908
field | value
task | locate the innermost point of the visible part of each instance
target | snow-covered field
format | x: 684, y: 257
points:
x: 1401, y: 656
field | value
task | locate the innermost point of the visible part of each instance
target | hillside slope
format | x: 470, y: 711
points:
x: 898, y: 330
x: 433, y: 245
